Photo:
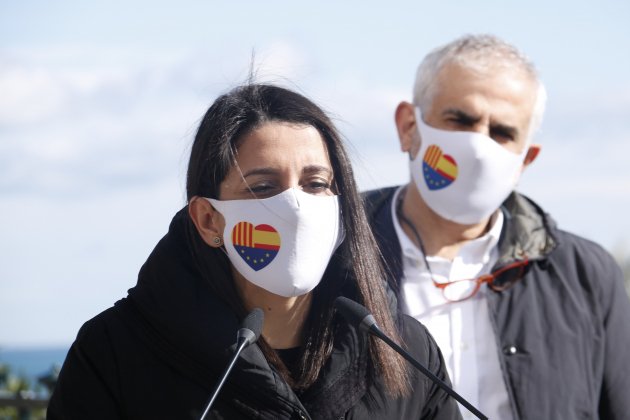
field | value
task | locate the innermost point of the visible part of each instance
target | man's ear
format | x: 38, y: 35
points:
x: 209, y: 223
x: 406, y: 125
x: 531, y: 155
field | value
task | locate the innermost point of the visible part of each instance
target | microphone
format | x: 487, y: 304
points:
x: 358, y: 316
x: 250, y: 330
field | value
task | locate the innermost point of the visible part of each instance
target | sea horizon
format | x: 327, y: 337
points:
x: 32, y: 361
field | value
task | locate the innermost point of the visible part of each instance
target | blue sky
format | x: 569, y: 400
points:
x: 99, y: 102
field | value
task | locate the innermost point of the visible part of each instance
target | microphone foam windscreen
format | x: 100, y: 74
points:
x: 351, y: 310
x: 254, y: 321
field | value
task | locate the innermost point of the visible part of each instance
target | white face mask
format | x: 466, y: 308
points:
x: 282, y: 243
x: 463, y: 176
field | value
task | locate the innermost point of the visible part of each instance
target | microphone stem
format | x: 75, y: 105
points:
x: 241, y: 345
x: 376, y: 331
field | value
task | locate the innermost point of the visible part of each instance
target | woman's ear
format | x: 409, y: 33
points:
x: 209, y: 223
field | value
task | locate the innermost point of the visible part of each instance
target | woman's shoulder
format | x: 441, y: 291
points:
x: 103, y: 329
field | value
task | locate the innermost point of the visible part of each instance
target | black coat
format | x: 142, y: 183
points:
x: 563, y: 331
x: 159, y: 353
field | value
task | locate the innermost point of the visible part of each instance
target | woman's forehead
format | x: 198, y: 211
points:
x: 282, y: 144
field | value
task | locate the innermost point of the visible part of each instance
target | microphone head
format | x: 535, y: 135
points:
x: 254, y: 323
x: 357, y: 315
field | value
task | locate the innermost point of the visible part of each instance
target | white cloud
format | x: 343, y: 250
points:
x: 87, y: 128
x: 28, y: 95
x: 90, y: 179
x: 281, y: 60
x: 93, y: 157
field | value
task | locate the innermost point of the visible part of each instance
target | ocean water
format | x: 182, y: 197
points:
x: 32, y: 362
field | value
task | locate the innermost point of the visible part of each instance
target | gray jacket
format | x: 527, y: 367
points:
x: 563, y: 330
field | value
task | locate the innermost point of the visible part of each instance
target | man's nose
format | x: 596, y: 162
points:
x: 481, y: 127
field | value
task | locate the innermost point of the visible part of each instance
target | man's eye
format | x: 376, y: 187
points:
x: 501, y: 136
x: 460, y: 122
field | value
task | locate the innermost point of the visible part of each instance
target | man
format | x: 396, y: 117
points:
x: 533, y: 322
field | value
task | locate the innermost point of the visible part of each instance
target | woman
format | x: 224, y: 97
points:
x: 273, y: 221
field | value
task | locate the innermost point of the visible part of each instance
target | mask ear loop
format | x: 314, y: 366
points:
x: 222, y: 249
x: 260, y: 201
x: 341, y: 232
x: 419, y: 122
x: 220, y: 239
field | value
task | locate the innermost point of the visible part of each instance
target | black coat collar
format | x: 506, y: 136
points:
x: 176, y: 311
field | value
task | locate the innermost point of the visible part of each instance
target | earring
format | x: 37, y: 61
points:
x: 216, y: 240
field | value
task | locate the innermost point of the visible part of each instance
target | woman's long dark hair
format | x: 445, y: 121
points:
x: 229, y: 119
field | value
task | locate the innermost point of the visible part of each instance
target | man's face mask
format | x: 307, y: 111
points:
x: 282, y: 243
x: 463, y: 176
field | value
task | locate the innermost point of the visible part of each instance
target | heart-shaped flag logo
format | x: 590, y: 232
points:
x: 257, y: 245
x: 439, y: 170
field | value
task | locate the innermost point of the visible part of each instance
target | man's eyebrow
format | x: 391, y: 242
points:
x: 468, y: 119
x: 461, y: 115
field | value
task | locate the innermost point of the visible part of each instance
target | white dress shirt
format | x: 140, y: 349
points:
x: 462, y: 329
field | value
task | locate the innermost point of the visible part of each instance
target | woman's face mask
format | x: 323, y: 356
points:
x: 282, y: 243
x: 463, y: 176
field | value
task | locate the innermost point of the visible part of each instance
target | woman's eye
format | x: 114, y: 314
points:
x: 261, y: 189
x: 317, y: 187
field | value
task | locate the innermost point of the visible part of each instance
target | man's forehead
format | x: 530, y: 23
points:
x: 505, y: 95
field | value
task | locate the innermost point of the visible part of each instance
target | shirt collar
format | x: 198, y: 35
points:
x: 478, y: 249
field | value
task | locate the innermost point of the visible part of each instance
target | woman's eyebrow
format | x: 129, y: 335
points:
x: 314, y: 169
x: 307, y: 170
x: 260, y: 171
